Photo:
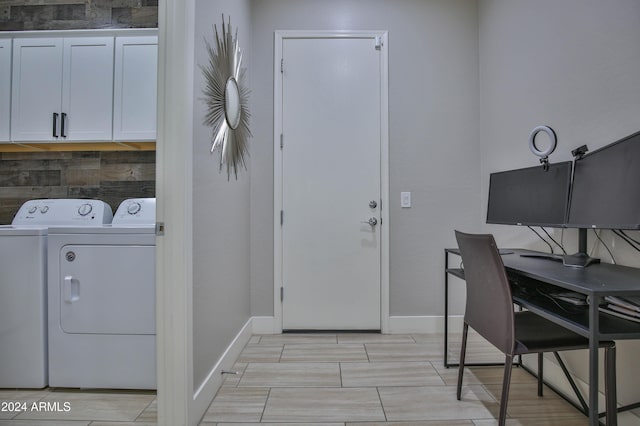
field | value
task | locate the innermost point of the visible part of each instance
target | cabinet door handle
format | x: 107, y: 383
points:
x: 62, y: 120
x: 55, y: 124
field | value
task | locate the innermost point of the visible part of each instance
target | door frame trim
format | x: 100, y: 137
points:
x: 279, y: 36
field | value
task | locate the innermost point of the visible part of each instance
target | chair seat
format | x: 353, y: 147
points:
x: 536, y: 334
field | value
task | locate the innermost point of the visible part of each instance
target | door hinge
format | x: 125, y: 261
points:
x: 282, y: 294
x: 379, y: 43
x: 159, y: 229
x: 281, y: 65
x: 281, y: 141
x: 281, y: 217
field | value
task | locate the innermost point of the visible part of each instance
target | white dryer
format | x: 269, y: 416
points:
x: 102, y: 330
x: 23, y: 285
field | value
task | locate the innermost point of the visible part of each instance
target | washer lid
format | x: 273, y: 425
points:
x: 20, y: 231
x: 109, y: 229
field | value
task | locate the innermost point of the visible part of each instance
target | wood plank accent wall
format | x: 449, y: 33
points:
x: 111, y: 176
x: 27, y: 15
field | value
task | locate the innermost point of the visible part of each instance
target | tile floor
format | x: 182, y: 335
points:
x: 324, y: 380
x: 371, y: 379
x: 65, y: 407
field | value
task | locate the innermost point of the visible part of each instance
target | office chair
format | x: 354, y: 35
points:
x: 490, y: 312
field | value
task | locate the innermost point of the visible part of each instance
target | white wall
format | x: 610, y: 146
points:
x: 433, y: 120
x: 221, y: 304
x: 203, y: 278
x: 573, y: 65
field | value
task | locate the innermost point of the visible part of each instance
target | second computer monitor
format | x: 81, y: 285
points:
x: 606, y: 187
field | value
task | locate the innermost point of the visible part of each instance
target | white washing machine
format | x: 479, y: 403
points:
x: 23, y: 286
x: 102, y: 325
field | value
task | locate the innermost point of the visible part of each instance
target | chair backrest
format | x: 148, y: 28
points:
x: 489, y: 308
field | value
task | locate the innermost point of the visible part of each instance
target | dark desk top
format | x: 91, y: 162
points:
x: 599, y: 279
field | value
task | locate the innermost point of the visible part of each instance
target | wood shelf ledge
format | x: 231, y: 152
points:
x: 80, y: 146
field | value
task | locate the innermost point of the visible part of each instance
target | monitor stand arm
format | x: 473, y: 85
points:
x: 580, y: 259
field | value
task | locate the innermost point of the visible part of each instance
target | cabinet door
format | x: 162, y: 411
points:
x: 135, y: 94
x: 5, y: 89
x: 87, y: 89
x: 36, y: 89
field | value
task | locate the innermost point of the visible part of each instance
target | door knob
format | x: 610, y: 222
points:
x: 372, y: 221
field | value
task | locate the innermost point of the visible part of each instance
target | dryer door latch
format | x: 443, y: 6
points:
x: 71, y: 289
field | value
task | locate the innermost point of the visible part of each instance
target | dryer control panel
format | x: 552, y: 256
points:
x: 63, y: 212
x: 136, y: 211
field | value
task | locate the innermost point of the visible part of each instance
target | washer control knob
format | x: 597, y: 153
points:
x: 44, y: 209
x: 32, y: 209
x: 85, y: 209
x: 134, y: 208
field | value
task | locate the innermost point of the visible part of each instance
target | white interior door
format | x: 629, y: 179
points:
x: 331, y: 183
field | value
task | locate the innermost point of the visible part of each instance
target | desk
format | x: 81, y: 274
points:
x: 595, y: 281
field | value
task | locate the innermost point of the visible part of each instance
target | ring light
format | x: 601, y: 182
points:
x: 552, y: 139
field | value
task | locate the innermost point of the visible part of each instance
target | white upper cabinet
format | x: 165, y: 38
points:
x: 5, y: 89
x: 62, y: 89
x: 87, y: 83
x: 37, y: 89
x: 135, y: 88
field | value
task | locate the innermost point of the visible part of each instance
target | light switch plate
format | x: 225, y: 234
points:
x: 405, y: 199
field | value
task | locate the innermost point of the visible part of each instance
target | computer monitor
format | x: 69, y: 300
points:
x: 531, y: 196
x: 606, y: 187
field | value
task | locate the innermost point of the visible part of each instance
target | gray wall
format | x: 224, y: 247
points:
x: 433, y: 122
x: 575, y: 66
x: 221, y: 304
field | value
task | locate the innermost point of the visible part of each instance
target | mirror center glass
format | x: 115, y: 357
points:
x: 232, y: 106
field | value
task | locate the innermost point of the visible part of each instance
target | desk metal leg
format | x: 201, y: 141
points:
x: 594, y: 320
x: 446, y: 308
x: 610, y: 385
x: 594, y: 336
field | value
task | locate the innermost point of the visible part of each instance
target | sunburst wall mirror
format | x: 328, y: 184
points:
x: 227, y: 97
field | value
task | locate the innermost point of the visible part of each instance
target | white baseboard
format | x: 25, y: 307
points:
x: 266, y: 325
x: 203, y: 396
x: 397, y: 324
x: 423, y: 324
